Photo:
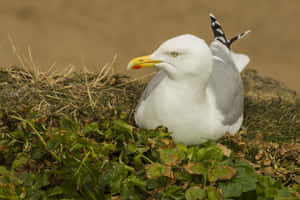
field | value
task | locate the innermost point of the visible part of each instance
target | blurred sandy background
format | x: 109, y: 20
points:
x: 90, y: 32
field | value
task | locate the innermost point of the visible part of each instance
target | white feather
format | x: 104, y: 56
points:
x: 240, y: 60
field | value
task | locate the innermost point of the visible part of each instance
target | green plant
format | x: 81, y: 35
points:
x: 115, y: 160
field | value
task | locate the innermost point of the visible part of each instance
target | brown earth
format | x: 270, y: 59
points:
x: 91, y: 32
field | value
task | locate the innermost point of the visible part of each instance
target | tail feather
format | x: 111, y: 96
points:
x: 219, y: 32
x: 240, y: 60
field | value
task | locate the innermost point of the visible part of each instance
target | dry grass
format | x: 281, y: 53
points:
x: 53, y: 93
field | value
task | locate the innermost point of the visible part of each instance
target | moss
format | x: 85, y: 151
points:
x: 270, y: 109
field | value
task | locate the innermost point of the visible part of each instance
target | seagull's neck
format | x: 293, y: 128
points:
x: 192, y: 88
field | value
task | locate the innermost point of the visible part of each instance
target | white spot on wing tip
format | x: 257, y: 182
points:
x: 221, y: 38
x: 212, y: 15
x: 220, y: 31
x: 245, y: 33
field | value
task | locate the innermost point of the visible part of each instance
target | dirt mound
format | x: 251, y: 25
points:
x: 270, y: 108
x: 269, y: 137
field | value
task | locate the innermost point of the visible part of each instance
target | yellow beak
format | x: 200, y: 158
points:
x: 140, y: 62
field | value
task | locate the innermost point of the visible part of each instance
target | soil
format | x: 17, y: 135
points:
x: 90, y: 33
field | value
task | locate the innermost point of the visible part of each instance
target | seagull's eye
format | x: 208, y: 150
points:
x: 174, y: 54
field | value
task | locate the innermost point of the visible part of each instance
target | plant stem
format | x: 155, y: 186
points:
x: 39, y: 136
x: 82, y: 163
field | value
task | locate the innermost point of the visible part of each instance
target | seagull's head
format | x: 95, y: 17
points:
x: 181, y: 57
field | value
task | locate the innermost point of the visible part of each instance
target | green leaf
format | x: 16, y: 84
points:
x: 156, y: 183
x: 195, y: 193
x: 54, y: 142
x: 18, y: 134
x: 3, y: 170
x: 68, y: 125
x: 271, y: 192
x: 209, y: 152
x: 37, y: 152
x: 241, y: 182
x: 221, y: 173
x: 133, y: 188
x: 42, y: 179
x: 155, y: 170
x: 122, y: 126
x: 173, y: 192
x: 92, y: 127
x: 284, y: 194
x: 183, y: 175
x: 196, y: 168
x: 231, y: 189
x: 18, y: 162
x: 55, y: 191
x: 76, y: 146
x: 113, y: 176
x: 131, y: 149
x: 295, y: 188
x: 28, y: 179
x: 170, y: 156
x: 136, y: 182
x: 213, y: 193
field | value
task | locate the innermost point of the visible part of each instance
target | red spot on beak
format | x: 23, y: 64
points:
x: 137, y: 67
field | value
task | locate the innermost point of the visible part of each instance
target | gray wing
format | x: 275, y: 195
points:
x: 159, y: 76
x: 226, y: 84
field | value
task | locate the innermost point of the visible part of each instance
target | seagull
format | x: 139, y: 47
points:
x: 197, y: 92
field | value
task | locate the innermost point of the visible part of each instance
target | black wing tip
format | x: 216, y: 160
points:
x: 245, y: 33
x: 240, y: 36
x: 219, y: 32
x: 212, y: 16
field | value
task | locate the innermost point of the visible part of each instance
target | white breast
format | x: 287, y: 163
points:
x: 190, y: 120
